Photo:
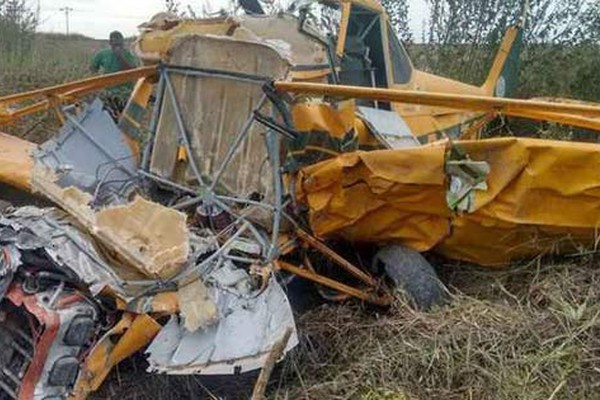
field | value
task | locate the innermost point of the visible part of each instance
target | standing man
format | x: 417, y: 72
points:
x: 114, y: 59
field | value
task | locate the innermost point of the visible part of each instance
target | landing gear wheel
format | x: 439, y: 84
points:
x: 412, y: 274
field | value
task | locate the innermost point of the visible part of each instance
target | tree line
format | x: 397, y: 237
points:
x: 17, y: 29
x: 561, y: 42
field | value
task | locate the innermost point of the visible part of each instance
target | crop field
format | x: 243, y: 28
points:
x: 530, y: 332
x: 50, y: 61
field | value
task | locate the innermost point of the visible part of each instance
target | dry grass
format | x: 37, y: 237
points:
x: 531, y: 332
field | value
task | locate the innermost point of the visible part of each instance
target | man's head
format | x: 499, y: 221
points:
x: 116, y: 39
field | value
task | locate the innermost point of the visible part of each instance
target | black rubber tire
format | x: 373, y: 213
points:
x: 411, y: 273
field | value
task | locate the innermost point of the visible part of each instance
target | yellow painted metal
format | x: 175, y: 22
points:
x: 343, y: 30
x: 447, y: 100
x: 134, y: 332
x: 320, y: 117
x: 551, y: 111
x: 561, y: 118
x: 16, y: 164
x: 64, y: 93
x: 543, y: 196
x: 336, y: 258
x: 379, y: 196
x: 108, y: 79
x: 142, y: 92
x: 317, y: 75
x: 134, y: 118
x: 382, y: 300
x: 323, y: 118
x: 503, y: 53
x: 372, y: 5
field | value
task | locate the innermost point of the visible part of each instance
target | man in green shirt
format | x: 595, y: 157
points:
x: 114, y: 59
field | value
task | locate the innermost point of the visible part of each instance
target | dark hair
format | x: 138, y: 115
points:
x: 116, y: 37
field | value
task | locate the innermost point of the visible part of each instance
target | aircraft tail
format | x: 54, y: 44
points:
x: 503, y: 77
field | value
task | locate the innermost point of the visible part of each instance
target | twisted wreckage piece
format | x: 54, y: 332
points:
x: 181, y: 230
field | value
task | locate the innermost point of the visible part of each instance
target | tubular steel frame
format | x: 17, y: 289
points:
x: 206, y: 191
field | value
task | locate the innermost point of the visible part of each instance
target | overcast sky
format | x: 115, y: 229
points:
x: 96, y: 18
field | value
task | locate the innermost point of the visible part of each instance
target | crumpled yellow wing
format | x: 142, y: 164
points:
x: 541, y: 197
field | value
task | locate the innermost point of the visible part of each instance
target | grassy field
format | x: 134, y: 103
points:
x: 54, y: 59
x: 528, y: 332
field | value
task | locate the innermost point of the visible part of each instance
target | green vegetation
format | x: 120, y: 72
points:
x: 17, y: 29
x: 559, y: 56
x: 51, y: 59
x: 29, y: 60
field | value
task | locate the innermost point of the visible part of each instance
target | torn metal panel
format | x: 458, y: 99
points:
x: 543, y: 197
x: 389, y: 127
x: 538, y: 197
x: 154, y: 45
x: 302, y: 49
x: 466, y: 176
x: 379, y: 196
x: 56, y: 234
x: 143, y: 235
x: 124, y: 339
x: 321, y: 117
x: 91, y: 154
x: 325, y: 131
x: 240, y: 341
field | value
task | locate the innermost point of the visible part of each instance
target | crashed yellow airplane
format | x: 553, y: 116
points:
x: 254, y: 151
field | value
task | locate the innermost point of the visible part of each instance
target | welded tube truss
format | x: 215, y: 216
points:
x: 206, y: 192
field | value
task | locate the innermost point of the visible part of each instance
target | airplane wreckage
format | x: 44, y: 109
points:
x: 254, y: 151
